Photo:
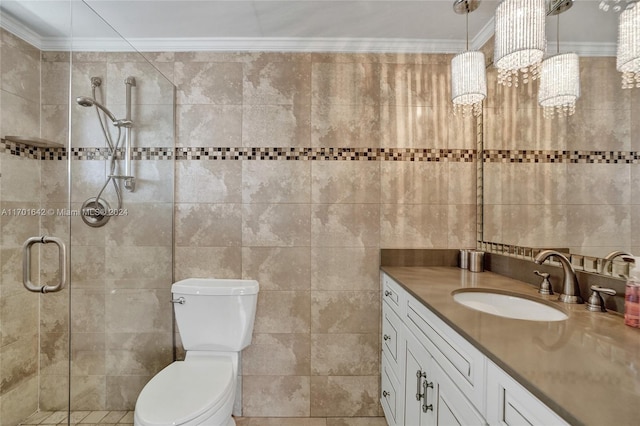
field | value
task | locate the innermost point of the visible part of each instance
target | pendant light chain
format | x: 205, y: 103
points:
x: 558, y: 34
x: 467, y: 19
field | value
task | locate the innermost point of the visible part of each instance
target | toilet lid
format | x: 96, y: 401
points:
x: 185, y: 390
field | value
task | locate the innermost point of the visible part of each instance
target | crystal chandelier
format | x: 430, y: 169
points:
x: 468, y: 77
x: 628, y: 58
x: 559, y: 85
x: 519, y: 40
x: 560, y: 74
x: 468, y: 83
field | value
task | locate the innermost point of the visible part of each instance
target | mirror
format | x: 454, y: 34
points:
x: 569, y: 182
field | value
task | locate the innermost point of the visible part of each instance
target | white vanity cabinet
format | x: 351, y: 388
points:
x: 433, y: 376
x: 415, y: 388
x: 431, y: 396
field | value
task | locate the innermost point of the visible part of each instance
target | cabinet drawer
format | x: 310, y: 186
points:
x: 509, y: 403
x: 391, y: 336
x: 457, y: 357
x: 390, y: 398
x: 392, y: 293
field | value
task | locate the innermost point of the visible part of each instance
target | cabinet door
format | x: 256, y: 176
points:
x: 450, y: 405
x: 509, y: 403
x: 431, y: 397
x: 416, y: 413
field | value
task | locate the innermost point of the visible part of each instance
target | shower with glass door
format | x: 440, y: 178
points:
x: 87, y: 138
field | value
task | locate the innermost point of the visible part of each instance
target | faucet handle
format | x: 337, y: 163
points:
x: 545, y: 285
x: 595, y: 302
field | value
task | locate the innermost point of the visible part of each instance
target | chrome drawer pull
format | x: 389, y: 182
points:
x: 426, y: 385
x: 419, y: 376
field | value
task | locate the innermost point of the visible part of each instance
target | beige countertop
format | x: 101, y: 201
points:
x: 586, y: 368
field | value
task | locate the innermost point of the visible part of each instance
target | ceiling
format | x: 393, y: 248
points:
x: 286, y: 25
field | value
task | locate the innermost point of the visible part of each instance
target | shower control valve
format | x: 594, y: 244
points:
x: 130, y: 184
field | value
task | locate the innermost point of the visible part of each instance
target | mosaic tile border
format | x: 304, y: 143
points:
x: 34, y: 153
x: 575, y: 157
x: 329, y: 154
x: 578, y: 261
x: 326, y: 154
x: 250, y: 153
x: 137, y: 154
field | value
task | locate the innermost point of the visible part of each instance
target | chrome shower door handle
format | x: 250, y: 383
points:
x: 26, y: 264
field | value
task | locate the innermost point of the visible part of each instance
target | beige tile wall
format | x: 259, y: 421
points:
x: 588, y: 207
x: 19, y: 189
x: 310, y: 231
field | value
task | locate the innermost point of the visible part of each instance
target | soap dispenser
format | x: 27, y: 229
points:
x: 632, y: 295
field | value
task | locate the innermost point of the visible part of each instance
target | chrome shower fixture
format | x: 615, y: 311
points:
x: 86, y: 101
x: 96, y: 211
x: 129, y: 181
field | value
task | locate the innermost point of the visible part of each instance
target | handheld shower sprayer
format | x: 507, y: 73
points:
x: 86, y: 101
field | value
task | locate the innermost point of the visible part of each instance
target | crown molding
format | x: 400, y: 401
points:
x: 18, y: 29
x: 281, y: 44
x: 258, y: 44
x: 86, y: 44
x: 584, y: 49
x: 329, y: 45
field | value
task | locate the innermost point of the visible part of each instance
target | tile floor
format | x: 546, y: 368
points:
x: 81, y: 418
x: 125, y: 418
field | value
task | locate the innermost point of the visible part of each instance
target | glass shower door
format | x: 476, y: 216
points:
x: 122, y: 148
x: 76, y: 121
x: 34, y: 226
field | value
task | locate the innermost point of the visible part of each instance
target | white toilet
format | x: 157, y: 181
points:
x: 215, y: 319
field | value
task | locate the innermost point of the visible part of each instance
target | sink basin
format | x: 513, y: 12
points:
x: 509, y: 305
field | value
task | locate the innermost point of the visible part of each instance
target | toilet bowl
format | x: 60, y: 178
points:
x: 188, y: 393
x: 215, y: 319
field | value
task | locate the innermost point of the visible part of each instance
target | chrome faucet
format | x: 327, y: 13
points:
x: 608, y: 258
x: 570, y: 288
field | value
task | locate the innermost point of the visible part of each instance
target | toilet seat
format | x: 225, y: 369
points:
x: 186, y: 391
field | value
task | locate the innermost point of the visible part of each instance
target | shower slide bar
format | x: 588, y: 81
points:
x: 26, y: 264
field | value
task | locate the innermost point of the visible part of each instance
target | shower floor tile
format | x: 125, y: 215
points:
x: 81, y: 418
x: 125, y: 418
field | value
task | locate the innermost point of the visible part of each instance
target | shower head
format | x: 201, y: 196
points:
x: 86, y: 101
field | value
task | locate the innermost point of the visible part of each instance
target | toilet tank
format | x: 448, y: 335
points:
x: 217, y: 314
